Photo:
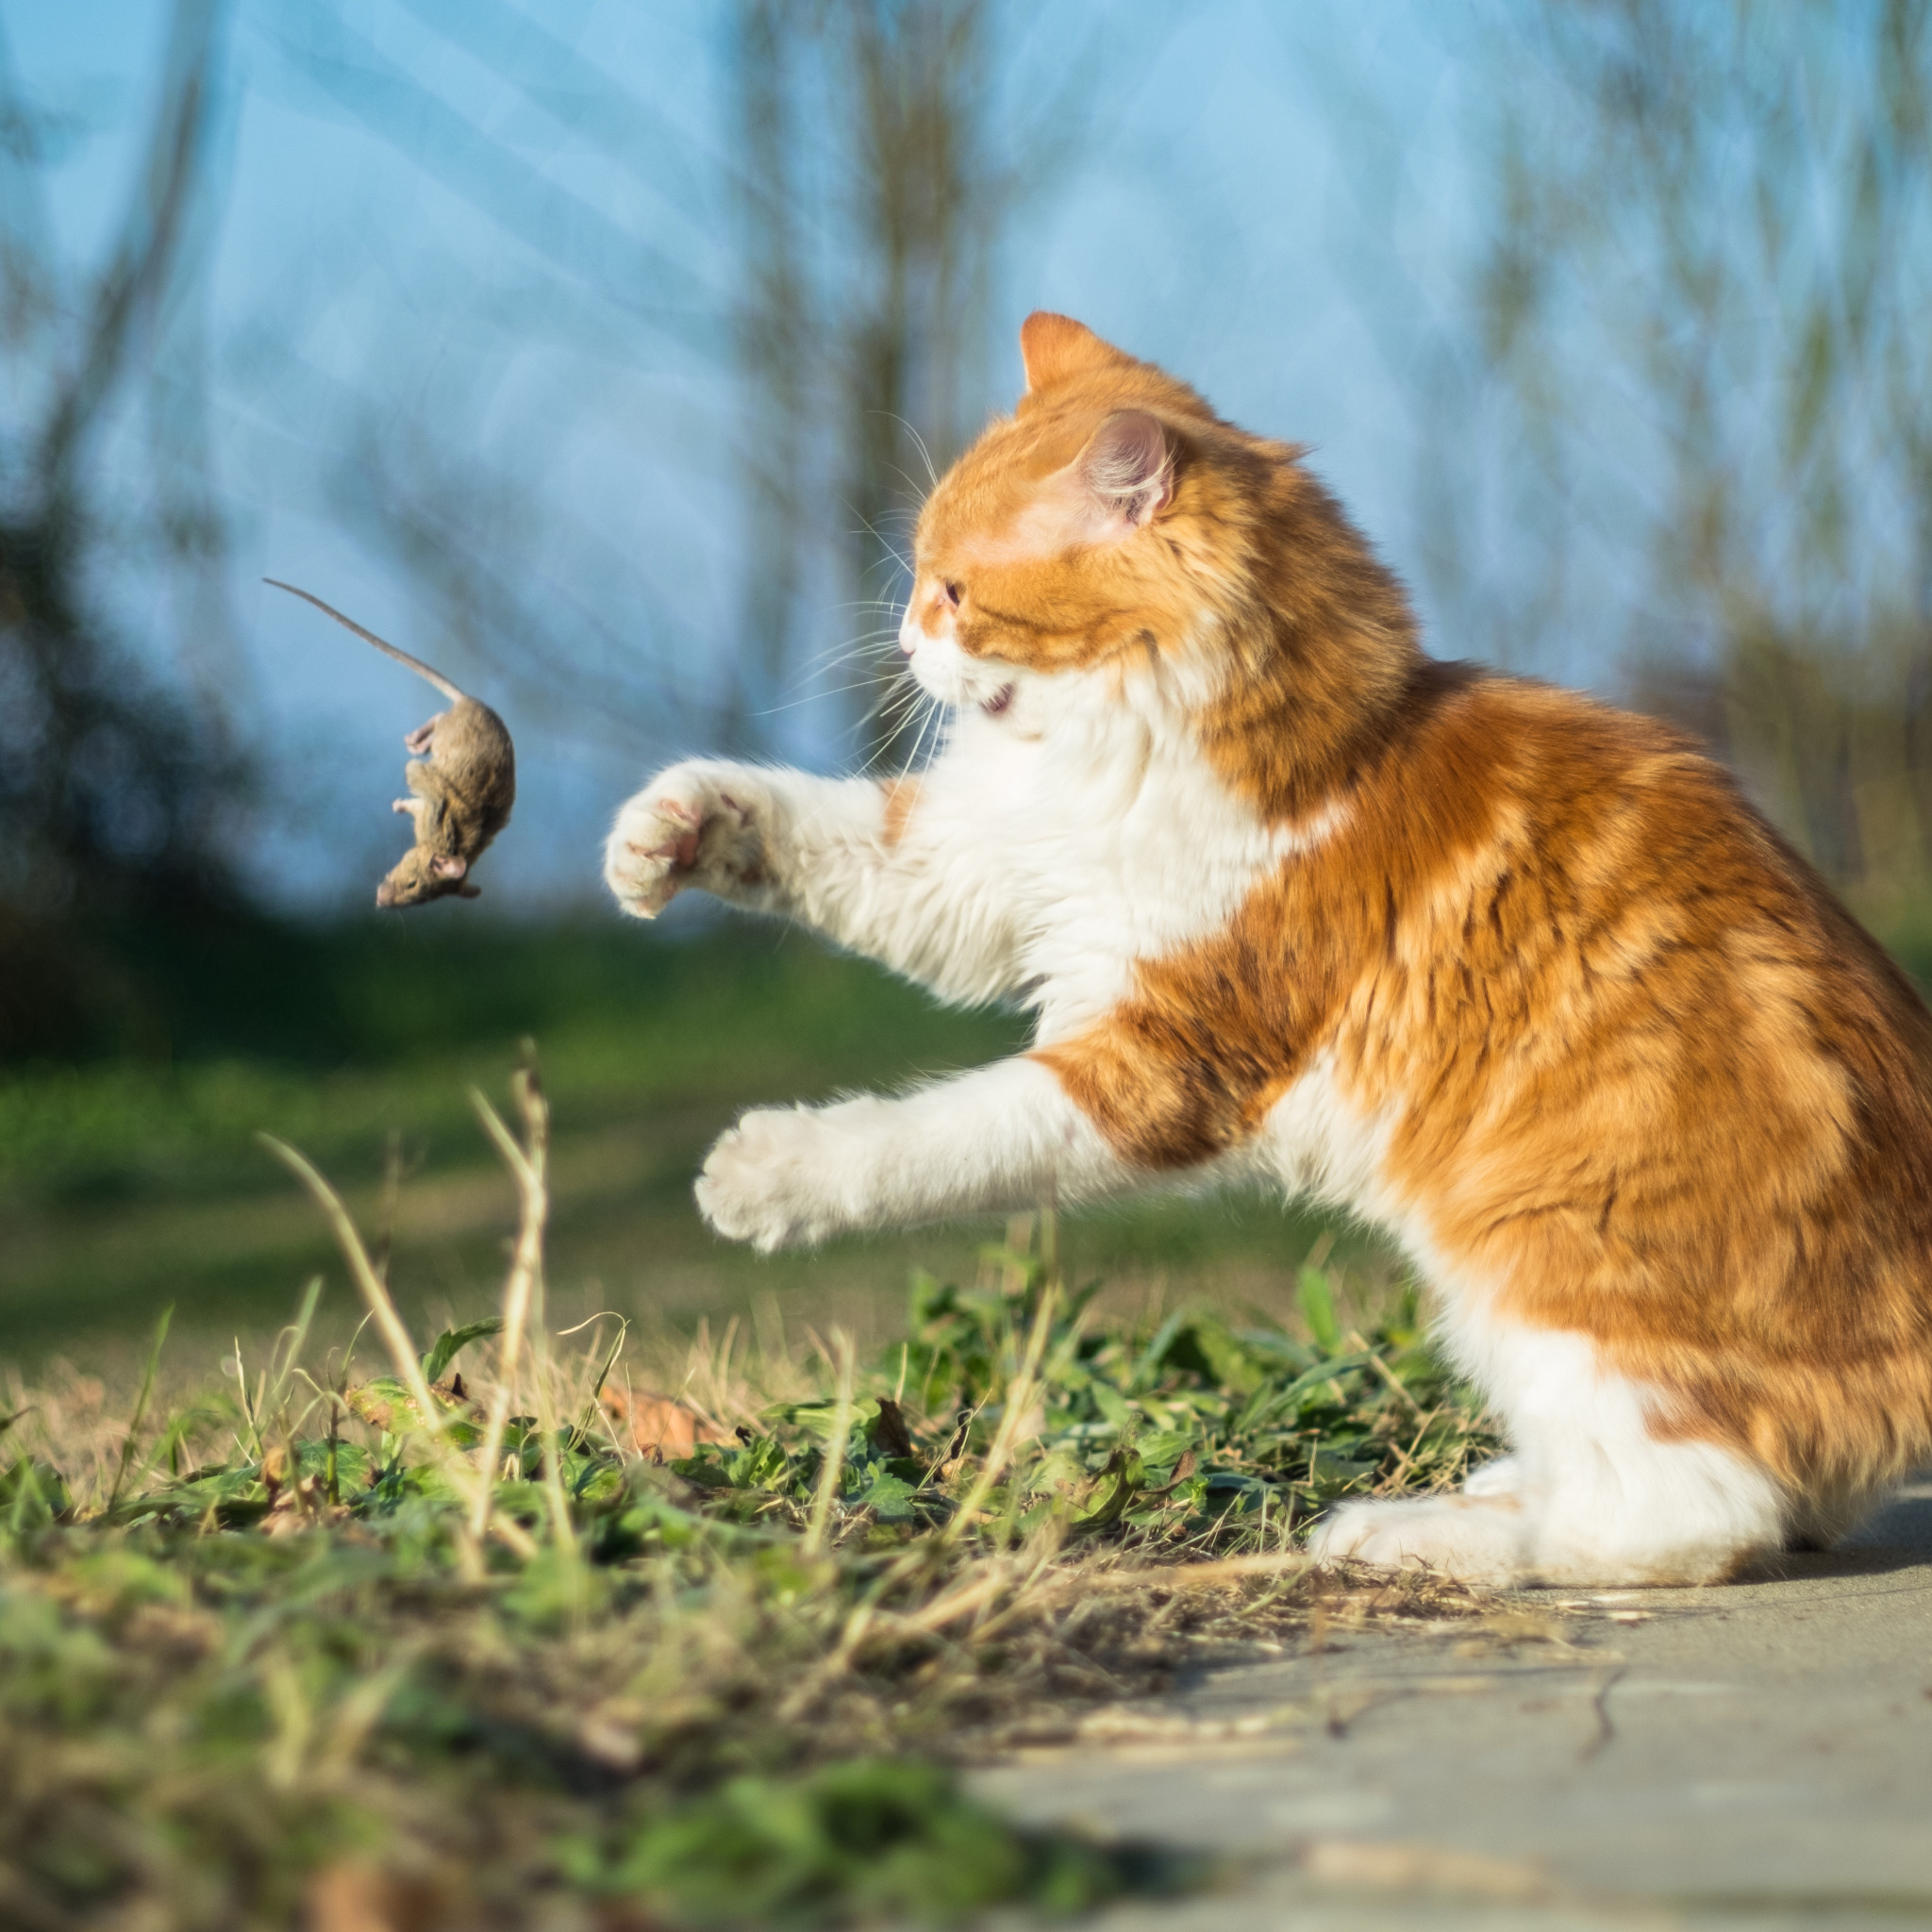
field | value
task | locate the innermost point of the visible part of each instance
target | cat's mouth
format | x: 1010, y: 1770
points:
x: 993, y: 706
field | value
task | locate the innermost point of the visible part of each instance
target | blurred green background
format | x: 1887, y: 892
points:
x: 132, y: 1183
x: 601, y: 352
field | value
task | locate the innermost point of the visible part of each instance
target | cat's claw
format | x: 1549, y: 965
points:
x: 692, y: 826
x: 775, y: 1181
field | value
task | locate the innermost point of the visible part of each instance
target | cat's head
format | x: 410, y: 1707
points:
x: 1114, y: 533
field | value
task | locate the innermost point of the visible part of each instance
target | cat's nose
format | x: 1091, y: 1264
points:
x: 909, y: 639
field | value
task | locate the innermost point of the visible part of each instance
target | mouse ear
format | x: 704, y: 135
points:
x: 447, y: 865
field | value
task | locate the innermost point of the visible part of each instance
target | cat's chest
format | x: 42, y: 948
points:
x: 1117, y: 860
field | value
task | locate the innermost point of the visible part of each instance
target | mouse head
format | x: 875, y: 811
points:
x: 419, y: 877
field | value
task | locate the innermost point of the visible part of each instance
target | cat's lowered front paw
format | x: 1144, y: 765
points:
x: 1476, y: 1539
x: 775, y: 1181
x: 695, y: 824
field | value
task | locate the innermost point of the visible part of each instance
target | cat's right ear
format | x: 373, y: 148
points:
x: 1128, y: 469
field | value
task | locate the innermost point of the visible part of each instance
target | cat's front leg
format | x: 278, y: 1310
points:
x: 1000, y: 1139
x: 863, y: 861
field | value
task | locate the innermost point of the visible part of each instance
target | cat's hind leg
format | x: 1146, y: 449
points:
x: 1608, y: 1489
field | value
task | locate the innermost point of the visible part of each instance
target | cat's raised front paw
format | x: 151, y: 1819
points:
x: 1475, y: 1539
x: 775, y: 1181
x: 695, y: 825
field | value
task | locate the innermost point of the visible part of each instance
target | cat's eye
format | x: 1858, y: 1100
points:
x: 954, y: 593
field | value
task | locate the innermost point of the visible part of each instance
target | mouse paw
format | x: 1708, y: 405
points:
x: 698, y: 824
x: 420, y: 739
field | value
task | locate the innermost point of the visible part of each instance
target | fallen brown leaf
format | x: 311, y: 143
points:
x: 350, y: 1897
x: 661, y: 1424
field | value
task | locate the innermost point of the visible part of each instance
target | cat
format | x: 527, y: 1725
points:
x: 1517, y: 977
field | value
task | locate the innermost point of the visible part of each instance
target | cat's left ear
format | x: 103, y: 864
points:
x: 1128, y: 469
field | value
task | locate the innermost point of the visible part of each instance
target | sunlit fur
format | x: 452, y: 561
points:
x: 1519, y: 976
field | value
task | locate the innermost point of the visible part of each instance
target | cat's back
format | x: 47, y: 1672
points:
x: 1542, y: 825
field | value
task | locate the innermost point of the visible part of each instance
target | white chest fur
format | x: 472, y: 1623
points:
x: 1115, y: 841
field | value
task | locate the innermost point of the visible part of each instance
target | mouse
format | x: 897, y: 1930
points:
x: 465, y: 781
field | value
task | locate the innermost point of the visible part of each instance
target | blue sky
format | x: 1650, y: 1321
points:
x: 1276, y: 202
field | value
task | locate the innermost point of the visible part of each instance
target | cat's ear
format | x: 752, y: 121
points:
x: 1055, y: 347
x: 1128, y: 469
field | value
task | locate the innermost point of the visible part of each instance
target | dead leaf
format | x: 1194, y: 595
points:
x: 890, y: 1432
x: 363, y: 1898
x: 369, y: 1405
x: 662, y: 1425
x: 302, y: 1504
x: 377, y: 1402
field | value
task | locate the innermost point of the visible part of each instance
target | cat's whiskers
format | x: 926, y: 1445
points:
x: 869, y: 528
x: 918, y: 444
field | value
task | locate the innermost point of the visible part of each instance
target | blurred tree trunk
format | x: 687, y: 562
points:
x: 775, y: 333
x: 1707, y: 300
x: 869, y: 225
x: 113, y: 787
x: 116, y: 786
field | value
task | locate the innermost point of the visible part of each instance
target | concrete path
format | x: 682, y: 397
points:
x: 1757, y: 1754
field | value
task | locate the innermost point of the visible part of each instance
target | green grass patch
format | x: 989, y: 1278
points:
x: 439, y: 1637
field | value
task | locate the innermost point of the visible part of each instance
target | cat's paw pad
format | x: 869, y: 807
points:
x: 695, y: 824
x: 774, y: 1180
x: 1472, y: 1540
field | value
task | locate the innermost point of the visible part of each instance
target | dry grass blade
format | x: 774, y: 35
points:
x: 141, y: 1401
x: 389, y: 1325
x: 1022, y: 1395
x: 833, y: 1468
x: 530, y: 1171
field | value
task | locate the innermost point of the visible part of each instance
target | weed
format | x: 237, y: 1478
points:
x: 494, y: 1625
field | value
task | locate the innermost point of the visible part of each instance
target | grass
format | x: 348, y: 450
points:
x: 129, y: 1183
x: 546, y: 1622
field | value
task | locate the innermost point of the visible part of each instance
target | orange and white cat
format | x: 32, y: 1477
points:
x: 1519, y: 978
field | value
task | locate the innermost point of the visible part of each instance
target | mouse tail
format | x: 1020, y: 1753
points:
x: 369, y: 637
